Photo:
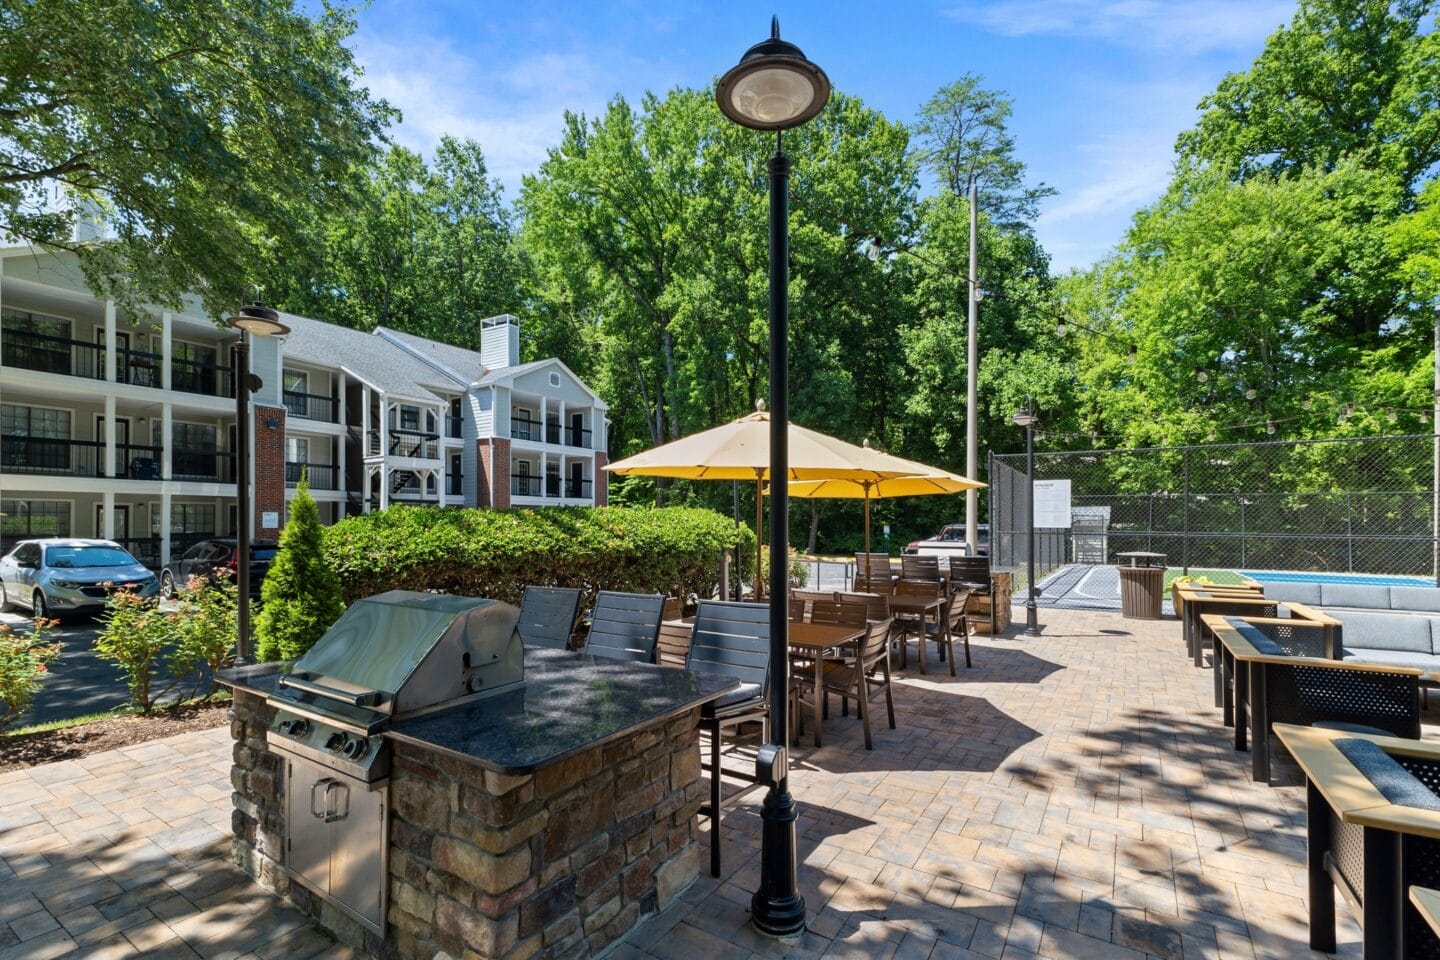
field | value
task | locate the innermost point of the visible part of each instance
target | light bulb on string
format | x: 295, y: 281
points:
x: 1305, y: 403
x: 1061, y: 327
x: 1270, y: 426
x: 1201, y: 376
x: 1250, y: 392
x: 1134, y: 352
x: 1390, y: 414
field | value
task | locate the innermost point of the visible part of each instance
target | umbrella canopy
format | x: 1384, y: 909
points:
x: 740, y: 450
x: 925, y: 481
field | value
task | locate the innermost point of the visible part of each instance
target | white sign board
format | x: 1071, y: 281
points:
x: 1052, y: 504
x: 271, y: 518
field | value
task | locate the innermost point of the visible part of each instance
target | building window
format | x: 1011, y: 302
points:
x: 554, y: 379
x: 296, y: 386
x: 34, y: 437
x: 297, y: 450
x: 191, y: 522
x: 18, y: 421
x: 23, y: 519
x: 409, y: 418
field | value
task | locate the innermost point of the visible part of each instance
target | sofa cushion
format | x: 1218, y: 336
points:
x: 1386, y: 631
x: 1426, y: 599
x: 1354, y: 595
x: 1393, y: 658
x: 1395, y: 783
x: 1307, y: 593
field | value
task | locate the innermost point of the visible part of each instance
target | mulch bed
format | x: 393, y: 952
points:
x: 32, y: 749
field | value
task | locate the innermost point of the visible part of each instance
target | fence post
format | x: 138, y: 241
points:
x: 1349, y: 532
x: 1243, y: 564
x: 1150, y: 521
x: 1185, y: 521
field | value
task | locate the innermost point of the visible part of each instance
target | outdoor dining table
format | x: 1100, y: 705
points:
x: 920, y: 608
x: 815, y: 640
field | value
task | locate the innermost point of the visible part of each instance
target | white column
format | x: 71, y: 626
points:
x: 164, y: 528
x: 107, y: 515
x: 364, y: 421
x: 110, y: 340
x: 384, y: 427
x: 109, y: 437
x: 167, y: 350
x: 340, y: 398
x: 166, y: 429
x: 562, y: 435
x: 544, y: 429
x: 440, y: 477
x: 564, y: 477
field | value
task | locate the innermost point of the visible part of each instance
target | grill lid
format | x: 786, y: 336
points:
x: 404, y: 652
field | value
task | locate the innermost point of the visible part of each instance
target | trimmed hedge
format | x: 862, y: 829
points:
x: 495, y: 553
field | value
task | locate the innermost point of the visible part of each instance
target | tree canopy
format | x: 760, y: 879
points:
x: 192, y: 126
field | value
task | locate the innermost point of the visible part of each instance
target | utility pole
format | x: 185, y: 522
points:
x: 972, y: 421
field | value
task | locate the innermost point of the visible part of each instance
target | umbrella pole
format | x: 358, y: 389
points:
x: 759, y: 537
x: 867, y: 531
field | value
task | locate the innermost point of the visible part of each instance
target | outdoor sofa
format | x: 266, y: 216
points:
x: 1399, y: 626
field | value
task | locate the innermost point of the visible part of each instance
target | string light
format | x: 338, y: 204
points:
x: 1305, y: 403
x: 1250, y: 392
x: 1390, y: 414
x: 1201, y: 376
x: 1134, y: 352
x: 1061, y: 327
x: 1270, y: 426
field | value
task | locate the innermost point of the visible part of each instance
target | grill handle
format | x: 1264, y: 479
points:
x: 325, y: 782
x: 367, y: 699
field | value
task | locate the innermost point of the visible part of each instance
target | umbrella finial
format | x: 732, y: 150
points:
x: 866, y: 444
x: 760, y: 405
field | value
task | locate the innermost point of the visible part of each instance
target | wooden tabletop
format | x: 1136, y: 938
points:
x: 823, y: 636
x: 914, y: 604
x: 1348, y: 791
x: 1427, y: 904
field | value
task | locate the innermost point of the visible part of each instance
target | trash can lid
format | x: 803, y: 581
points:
x: 1142, y: 558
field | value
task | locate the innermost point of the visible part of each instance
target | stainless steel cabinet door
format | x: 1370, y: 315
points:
x: 357, y: 865
x: 305, y: 813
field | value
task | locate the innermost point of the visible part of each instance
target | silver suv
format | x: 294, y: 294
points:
x: 59, y: 576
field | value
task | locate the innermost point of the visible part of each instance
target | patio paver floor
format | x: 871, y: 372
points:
x: 1069, y: 797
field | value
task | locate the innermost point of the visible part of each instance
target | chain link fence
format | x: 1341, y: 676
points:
x: 1356, y: 505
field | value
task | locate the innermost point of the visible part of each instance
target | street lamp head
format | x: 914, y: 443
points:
x: 1024, y: 419
x: 773, y: 87
x: 260, y: 320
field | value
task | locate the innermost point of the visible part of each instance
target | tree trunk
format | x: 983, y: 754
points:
x: 814, y: 524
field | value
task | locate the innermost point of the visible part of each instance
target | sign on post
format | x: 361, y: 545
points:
x: 1052, y: 504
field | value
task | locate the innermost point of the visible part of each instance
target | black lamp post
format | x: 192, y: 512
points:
x: 1027, y: 420
x: 774, y: 87
x: 259, y: 320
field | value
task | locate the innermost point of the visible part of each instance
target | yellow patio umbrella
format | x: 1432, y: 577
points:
x: 740, y: 450
x: 923, y: 481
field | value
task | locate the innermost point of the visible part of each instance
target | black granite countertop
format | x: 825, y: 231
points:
x: 571, y: 702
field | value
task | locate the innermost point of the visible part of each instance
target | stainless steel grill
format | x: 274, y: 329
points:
x: 389, y: 657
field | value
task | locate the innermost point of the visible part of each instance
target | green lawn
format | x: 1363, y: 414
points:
x: 1214, y: 576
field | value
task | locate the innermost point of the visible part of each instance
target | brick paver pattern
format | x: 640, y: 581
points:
x: 1073, y: 796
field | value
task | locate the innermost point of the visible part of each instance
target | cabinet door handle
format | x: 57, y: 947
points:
x: 322, y: 782
x: 333, y: 811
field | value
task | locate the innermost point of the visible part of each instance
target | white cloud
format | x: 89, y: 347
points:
x: 1161, y: 26
x: 514, y: 108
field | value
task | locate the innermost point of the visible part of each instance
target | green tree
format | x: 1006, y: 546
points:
x: 428, y: 250
x: 195, y: 127
x: 301, y: 596
x: 965, y: 138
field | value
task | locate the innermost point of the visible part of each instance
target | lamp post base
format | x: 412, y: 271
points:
x: 777, y: 909
x: 1032, y: 621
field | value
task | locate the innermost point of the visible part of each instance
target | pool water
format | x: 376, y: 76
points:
x: 1359, y: 579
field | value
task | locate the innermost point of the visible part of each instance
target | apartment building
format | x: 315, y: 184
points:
x: 127, y: 431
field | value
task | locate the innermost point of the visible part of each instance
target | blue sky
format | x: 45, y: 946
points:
x: 1101, y: 87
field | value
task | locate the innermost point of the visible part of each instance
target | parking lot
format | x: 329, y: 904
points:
x: 80, y: 683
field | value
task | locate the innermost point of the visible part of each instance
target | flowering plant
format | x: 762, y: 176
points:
x: 24, y: 665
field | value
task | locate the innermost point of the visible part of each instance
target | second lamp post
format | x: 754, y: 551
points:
x: 1027, y: 421
x: 774, y: 87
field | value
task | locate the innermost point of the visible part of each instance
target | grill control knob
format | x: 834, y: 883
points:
x: 298, y: 728
x: 357, y: 748
x: 336, y: 743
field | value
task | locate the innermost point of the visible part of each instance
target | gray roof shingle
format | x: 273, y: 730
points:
x: 373, y: 359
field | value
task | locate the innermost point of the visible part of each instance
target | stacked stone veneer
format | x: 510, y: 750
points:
x: 557, y: 864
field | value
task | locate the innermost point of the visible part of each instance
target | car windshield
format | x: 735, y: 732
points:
x: 70, y: 557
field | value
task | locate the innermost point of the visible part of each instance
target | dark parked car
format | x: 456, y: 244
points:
x: 213, y: 559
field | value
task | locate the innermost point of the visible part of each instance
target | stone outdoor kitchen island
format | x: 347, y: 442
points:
x: 540, y: 821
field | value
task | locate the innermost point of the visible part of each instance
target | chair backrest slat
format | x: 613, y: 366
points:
x: 625, y: 626
x: 918, y: 588
x: 959, y: 599
x: 874, y: 646
x: 920, y: 567
x: 673, y: 645
x: 732, y: 639
x: 547, y: 616
x: 877, y: 604
x: 850, y: 613
x: 885, y: 586
x: 970, y: 570
x: 873, y: 566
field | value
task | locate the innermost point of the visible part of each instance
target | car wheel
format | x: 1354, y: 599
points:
x: 5, y: 605
x: 38, y: 606
x: 167, y: 585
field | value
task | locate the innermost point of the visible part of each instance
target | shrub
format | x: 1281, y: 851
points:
x: 138, y: 637
x: 24, y: 666
x: 301, y: 595
x: 205, y: 629
x: 797, y: 569
x: 495, y: 553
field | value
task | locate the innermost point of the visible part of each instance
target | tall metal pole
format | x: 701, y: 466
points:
x: 240, y: 373
x: 777, y: 908
x: 1435, y: 478
x: 972, y: 417
x: 1032, y: 614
